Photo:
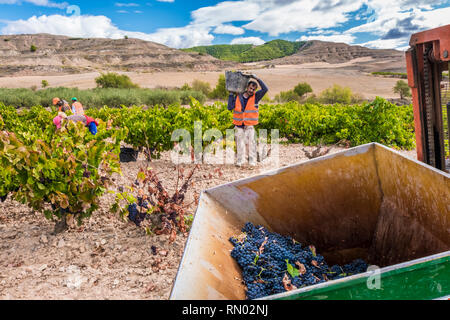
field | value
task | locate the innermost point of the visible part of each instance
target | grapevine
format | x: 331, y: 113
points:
x: 150, y: 205
x: 149, y: 200
x: 57, y: 172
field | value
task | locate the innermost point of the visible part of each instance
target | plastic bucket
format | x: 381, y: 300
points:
x: 236, y: 81
x: 128, y: 155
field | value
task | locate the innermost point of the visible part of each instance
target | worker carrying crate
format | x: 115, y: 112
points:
x: 244, y: 101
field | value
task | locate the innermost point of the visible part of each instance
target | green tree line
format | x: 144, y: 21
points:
x: 249, y: 53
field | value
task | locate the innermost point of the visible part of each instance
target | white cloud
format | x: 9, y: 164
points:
x: 391, y: 21
x: 387, y: 44
x: 228, y: 29
x: 42, y: 3
x: 384, y: 18
x: 248, y: 40
x: 227, y: 11
x: 102, y: 27
x: 394, y: 23
x: 274, y: 16
x: 433, y: 19
x: 388, y: 15
x: 346, y: 38
x: 189, y: 36
x: 118, y: 4
x: 301, y: 16
x: 75, y: 26
x: 125, y: 11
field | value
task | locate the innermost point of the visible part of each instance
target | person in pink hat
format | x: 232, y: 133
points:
x: 57, y: 121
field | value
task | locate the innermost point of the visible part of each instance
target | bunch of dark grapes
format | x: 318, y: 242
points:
x: 265, y: 258
x: 142, y: 203
x: 3, y: 198
x: 135, y: 215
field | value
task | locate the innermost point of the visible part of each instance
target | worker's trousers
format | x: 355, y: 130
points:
x: 245, y: 139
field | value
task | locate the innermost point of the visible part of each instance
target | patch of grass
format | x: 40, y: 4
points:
x: 98, y: 97
x: 391, y: 74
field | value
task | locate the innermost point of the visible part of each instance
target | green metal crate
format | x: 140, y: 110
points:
x: 421, y: 279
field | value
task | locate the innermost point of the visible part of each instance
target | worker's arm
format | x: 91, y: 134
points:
x: 231, y: 101
x: 260, y: 93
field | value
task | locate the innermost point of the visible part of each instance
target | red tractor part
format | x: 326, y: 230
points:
x: 426, y: 59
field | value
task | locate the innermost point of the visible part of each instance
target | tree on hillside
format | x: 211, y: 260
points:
x: 220, y: 91
x: 402, y: 88
x: 186, y: 87
x: 204, y: 87
x: 286, y: 96
x: 336, y: 94
x: 302, y: 88
x: 115, y: 80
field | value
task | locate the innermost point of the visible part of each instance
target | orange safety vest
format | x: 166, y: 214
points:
x: 248, y: 117
x: 78, y: 108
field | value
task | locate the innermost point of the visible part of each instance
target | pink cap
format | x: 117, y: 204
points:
x: 57, y: 122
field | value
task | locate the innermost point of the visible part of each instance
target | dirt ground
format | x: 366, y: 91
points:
x: 319, y: 75
x: 107, y: 258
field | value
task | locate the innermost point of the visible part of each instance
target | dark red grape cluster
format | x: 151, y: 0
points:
x: 272, y: 263
x: 136, y: 212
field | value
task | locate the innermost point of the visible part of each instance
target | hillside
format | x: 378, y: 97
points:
x: 63, y: 55
x: 337, y: 53
x: 60, y: 55
x: 281, y: 52
x: 250, y: 53
x: 222, y: 51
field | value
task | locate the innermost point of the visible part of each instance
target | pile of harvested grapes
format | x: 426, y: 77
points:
x: 274, y: 264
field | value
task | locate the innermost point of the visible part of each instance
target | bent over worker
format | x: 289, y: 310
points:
x: 77, y: 107
x: 62, y: 104
x: 89, y: 122
x: 245, y: 117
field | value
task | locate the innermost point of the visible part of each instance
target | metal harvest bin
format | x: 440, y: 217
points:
x: 367, y: 202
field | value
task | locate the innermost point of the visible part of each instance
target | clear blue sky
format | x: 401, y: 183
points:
x: 180, y: 24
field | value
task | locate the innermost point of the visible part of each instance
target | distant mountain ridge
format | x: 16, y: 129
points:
x: 282, y: 52
x: 64, y: 55
x: 250, y: 53
x: 57, y: 55
x: 332, y: 52
x: 338, y: 53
